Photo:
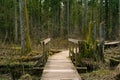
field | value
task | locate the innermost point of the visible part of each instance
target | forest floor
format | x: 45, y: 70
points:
x: 10, y: 55
x: 105, y: 72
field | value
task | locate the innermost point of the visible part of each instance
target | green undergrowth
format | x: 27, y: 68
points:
x: 102, y: 74
x: 89, y: 44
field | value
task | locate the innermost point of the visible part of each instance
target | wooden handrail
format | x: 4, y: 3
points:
x: 73, y: 40
x: 46, y: 41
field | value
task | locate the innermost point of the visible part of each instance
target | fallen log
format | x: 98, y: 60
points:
x: 31, y: 58
x: 111, y: 44
x: 116, y: 57
x: 114, y: 62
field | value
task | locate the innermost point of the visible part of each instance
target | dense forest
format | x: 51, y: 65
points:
x: 59, y: 18
x: 25, y: 23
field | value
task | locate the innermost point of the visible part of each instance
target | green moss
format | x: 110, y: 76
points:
x: 27, y: 35
x: 26, y: 77
x: 89, y: 44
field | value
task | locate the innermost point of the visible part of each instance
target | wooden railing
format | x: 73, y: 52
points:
x: 44, y: 56
x: 45, y: 49
x: 77, y: 51
x: 74, y: 50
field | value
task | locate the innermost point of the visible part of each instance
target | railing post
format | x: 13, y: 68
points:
x: 45, y: 49
x: 72, y: 51
x: 43, y: 53
x: 69, y: 50
x: 75, y: 54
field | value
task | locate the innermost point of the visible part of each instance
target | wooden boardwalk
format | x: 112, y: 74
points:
x: 60, y: 67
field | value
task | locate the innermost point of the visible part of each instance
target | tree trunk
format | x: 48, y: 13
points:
x: 16, y: 24
x: 85, y: 13
x: 107, y: 26
x: 65, y: 31
x: 22, y: 27
x: 100, y: 49
x: 68, y: 17
x: 119, y: 21
x: 101, y: 6
x: 85, y: 28
x: 25, y: 37
x: 28, y: 43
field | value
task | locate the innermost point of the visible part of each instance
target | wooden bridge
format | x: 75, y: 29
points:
x: 60, y: 67
x: 63, y: 65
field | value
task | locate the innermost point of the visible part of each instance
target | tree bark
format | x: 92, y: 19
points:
x: 16, y: 24
x: 119, y: 21
x: 101, y: 5
x: 25, y: 37
x: 85, y: 13
x: 68, y: 16
x: 22, y: 27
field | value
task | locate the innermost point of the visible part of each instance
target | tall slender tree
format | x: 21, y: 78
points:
x: 107, y: 25
x: 16, y: 21
x: 68, y: 13
x: 85, y: 13
x: 25, y: 37
x: 119, y: 20
x: 85, y: 29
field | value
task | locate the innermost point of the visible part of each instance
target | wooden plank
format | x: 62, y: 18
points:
x: 73, y: 40
x: 60, y: 67
x: 112, y: 43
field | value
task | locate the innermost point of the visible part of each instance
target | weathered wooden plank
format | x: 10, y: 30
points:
x: 112, y: 43
x: 46, y: 41
x: 60, y: 67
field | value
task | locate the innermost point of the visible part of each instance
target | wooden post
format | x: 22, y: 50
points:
x: 72, y: 51
x: 72, y: 54
x: 45, y: 52
x: 76, y: 55
x: 69, y: 52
